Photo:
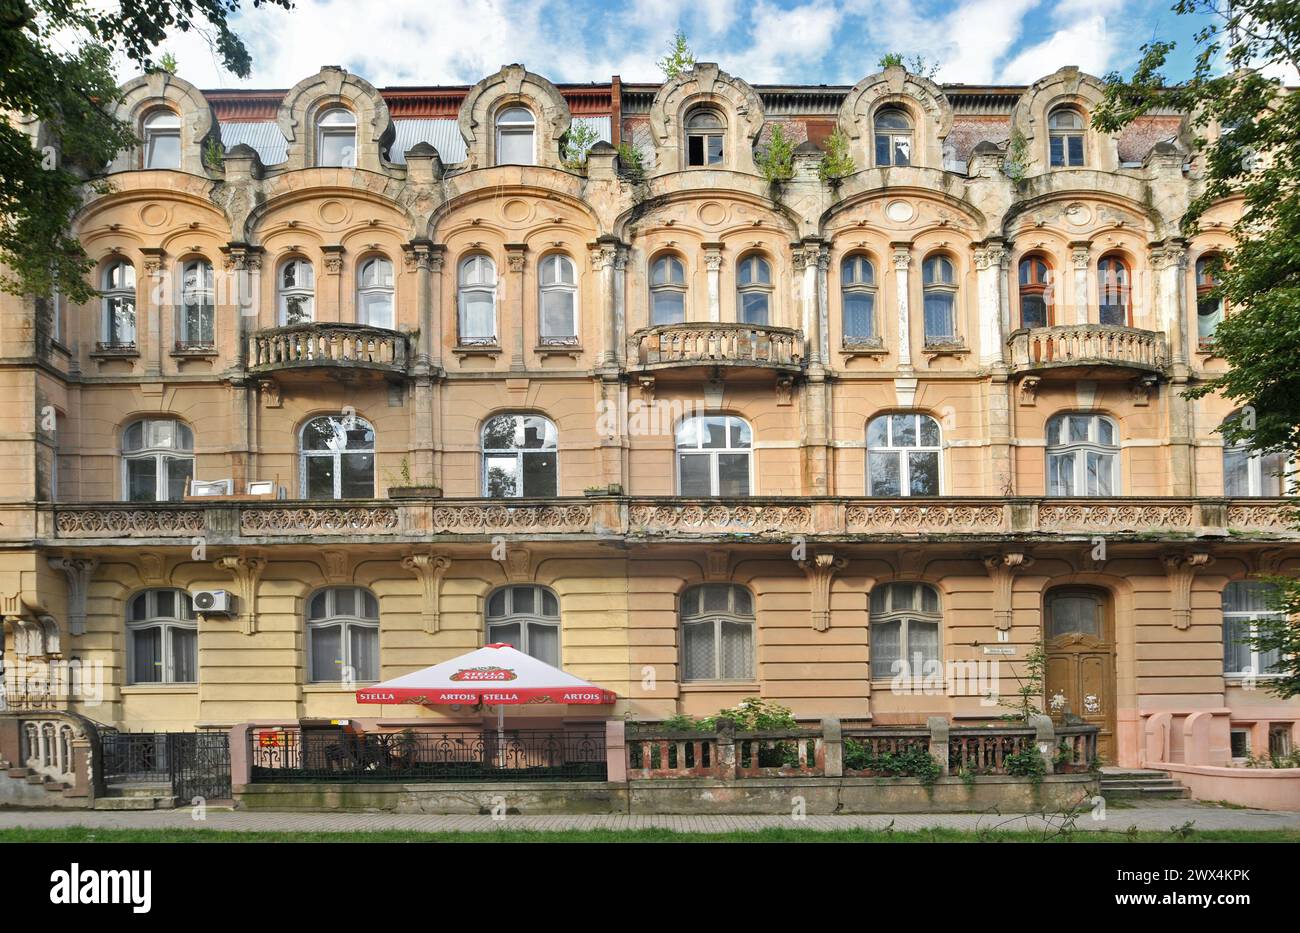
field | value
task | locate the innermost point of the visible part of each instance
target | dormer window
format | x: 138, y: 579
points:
x: 515, y: 134
x: 1065, y: 138
x: 336, y: 139
x: 704, y: 135
x: 893, y: 132
x: 162, y: 140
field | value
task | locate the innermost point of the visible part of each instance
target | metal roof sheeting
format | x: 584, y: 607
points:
x: 264, y: 137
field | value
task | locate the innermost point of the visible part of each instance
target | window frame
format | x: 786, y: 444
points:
x: 893, y: 135
x: 365, y: 290
x: 118, y: 299
x: 706, y: 135
x: 159, y: 454
x: 1067, y: 135
x: 1249, y: 617
x: 345, y: 622
x: 850, y: 265
x: 206, y: 306
x: 168, y: 625
x: 336, y: 130
x: 525, y: 620
x: 560, y: 260
x: 1206, y: 283
x: 1093, y: 444
x: 305, y: 293
x: 757, y: 263
x: 337, y: 455
x: 938, y: 288
x: 1115, y: 279
x: 151, y: 132
x: 463, y: 291
x: 1041, y: 287
x: 901, y: 452
x: 1101, y: 599
x: 1255, y: 464
x: 674, y: 262
x: 714, y: 453
x: 505, y: 129
x: 716, y: 619
x: 521, y: 425
x: 905, y: 617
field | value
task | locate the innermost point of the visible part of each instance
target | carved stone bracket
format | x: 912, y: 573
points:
x: 430, y: 568
x: 36, y: 634
x: 1181, y: 569
x: 154, y: 571
x: 646, y: 385
x: 820, y: 570
x: 333, y: 258
x: 519, y: 564
x: 78, y: 570
x: 1002, y: 570
x: 717, y: 565
x: 785, y: 390
x: 247, y: 571
x: 1029, y: 390
x: 338, y: 567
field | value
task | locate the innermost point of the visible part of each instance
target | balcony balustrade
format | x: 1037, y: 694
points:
x: 1085, y: 346
x: 336, y: 346
x: 718, y: 344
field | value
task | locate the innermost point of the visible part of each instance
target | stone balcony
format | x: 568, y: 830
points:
x: 715, y: 344
x: 1072, y: 348
x: 338, y: 347
x: 616, y: 518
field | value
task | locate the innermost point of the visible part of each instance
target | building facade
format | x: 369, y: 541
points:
x: 401, y: 377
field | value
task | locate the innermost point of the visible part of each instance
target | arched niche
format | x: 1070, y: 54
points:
x: 920, y: 98
x: 706, y: 86
x: 1070, y: 88
x: 513, y: 85
x: 329, y: 88
x: 162, y: 90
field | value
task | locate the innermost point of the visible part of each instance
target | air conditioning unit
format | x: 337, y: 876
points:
x: 214, y: 602
x: 217, y: 487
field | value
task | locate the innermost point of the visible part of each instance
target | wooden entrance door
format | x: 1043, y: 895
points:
x: 1078, y: 631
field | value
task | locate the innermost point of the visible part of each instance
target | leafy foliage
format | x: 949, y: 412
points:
x: 911, y: 762
x: 679, y: 58
x: 71, y: 93
x: 917, y: 64
x: 1247, y: 136
x: 1016, y: 163
x: 631, y: 163
x: 838, y: 161
x: 577, y: 143
x: 1026, y: 763
x: 1030, y: 692
x: 776, y: 160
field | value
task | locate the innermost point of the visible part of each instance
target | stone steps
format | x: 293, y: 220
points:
x: 141, y: 796
x: 1141, y: 784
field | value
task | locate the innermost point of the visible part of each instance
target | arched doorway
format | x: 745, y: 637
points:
x: 1079, y: 638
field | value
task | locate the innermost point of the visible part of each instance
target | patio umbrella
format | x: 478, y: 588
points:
x: 497, y: 675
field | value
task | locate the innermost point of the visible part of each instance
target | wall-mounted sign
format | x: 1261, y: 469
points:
x: 1000, y: 649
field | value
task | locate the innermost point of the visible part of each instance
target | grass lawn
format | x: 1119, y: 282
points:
x: 83, y: 834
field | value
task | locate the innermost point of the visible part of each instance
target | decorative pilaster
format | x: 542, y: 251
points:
x: 713, y: 266
x: 902, y: 258
x: 608, y: 260
x: 1002, y: 570
x: 988, y: 264
x: 1181, y: 570
x: 820, y: 570
x: 247, y: 572
x: 78, y: 571
x: 1080, y: 259
x: 516, y: 255
x: 430, y: 568
x: 155, y: 299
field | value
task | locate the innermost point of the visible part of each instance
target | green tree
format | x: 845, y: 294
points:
x: 917, y: 64
x: 1246, y: 130
x: 679, y: 58
x: 56, y: 69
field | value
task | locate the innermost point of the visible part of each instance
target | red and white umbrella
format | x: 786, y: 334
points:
x: 494, y: 675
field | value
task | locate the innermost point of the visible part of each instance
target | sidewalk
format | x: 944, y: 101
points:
x: 1148, y: 817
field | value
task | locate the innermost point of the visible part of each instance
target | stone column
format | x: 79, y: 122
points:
x: 514, y: 301
x: 902, y: 261
x: 833, y: 748
x: 713, y: 263
x: 1080, y: 258
x: 331, y: 285
x: 988, y: 264
x: 1168, y: 262
x: 616, y: 750
x: 1045, y: 740
x: 437, y: 263
x: 604, y: 262
x: 939, y: 741
x: 156, y: 297
x: 243, y: 263
x: 420, y: 257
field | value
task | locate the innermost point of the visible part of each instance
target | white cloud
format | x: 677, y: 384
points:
x: 1088, y: 44
x: 782, y: 39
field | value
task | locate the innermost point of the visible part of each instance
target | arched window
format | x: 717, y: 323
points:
x: 858, y: 294
x: 197, y: 324
x: 338, y: 458
x: 343, y: 636
x: 336, y: 138
x: 161, y: 638
x: 905, y: 620
x: 717, y: 633
x: 1082, y: 456
x: 1065, y: 137
x: 297, y: 292
x: 754, y: 290
x: 157, y: 460
x: 714, y: 456
x: 527, y: 618
x: 1245, y: 604
x: 893, y: 130
x: 939, y: 289
x: 1209, y: 306
x: 515, y: 132
x: 477, y: 299
x: 119, y: 304
x: 375, y: 292
x: 1036, y: 292
x: 520, y: 457
x: 903, y: 455
x: 1114, y: 295
x: 1074, y: 611
x: 162, y: 139
x: 705, y: 131
x: 1246, y: 472
x: 667, y: 291
x: 558, y: 300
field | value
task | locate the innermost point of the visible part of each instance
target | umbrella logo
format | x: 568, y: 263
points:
x: 488, y: 672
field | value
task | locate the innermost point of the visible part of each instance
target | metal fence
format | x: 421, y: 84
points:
x: 131, y: 757
x: 291, y: 755
x: 195, y: 764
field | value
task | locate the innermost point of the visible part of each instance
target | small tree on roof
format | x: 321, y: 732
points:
x: 680, y: 57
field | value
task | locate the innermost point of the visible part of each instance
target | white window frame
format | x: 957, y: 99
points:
x: 158, y: 453
x: 893, y: 135
x: 901, y: 453
x: 160, y: 123
x: 849, y: 269
x: 506, y: 126
x: 525, y: 620
x: 113, y: 295
x: 480, y: 261
x: 1065, y: 134
x: 715, y: 618
x: 1081, y: 449
x: 706, y: 133
x: 169, y: 625
x: 328, y: 126
x: 905, y: 617
x: 205, y: 292
x: 521, y: 420
x: 1248, y: 617
x: 303, y: 269
x: 379, y: 288
x: 757, y: 264
x: 561, y: 263
x: 673, y: 264
x: 304, y: 455
x: 939, y: 262
x: 345, y: 623
x: 714, y: 452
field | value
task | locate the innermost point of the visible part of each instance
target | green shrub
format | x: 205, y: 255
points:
x: 913, y: 762
x: 838, y: 160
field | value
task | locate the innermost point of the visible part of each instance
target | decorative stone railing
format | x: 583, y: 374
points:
x: 346, y: 346
x: 718, y: 344
x: 774, y: 518
x: 1087, y: 345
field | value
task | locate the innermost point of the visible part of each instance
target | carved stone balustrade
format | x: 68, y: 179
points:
x: 1085, y: 346
x: 337, y: 346
x: 718, y: 344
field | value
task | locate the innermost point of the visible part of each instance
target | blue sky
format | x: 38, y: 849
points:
x: 396, y: 42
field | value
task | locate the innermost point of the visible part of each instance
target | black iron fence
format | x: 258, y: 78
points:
x: 135, y: 756
x: 291, y: 755
x: 195, y: 764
